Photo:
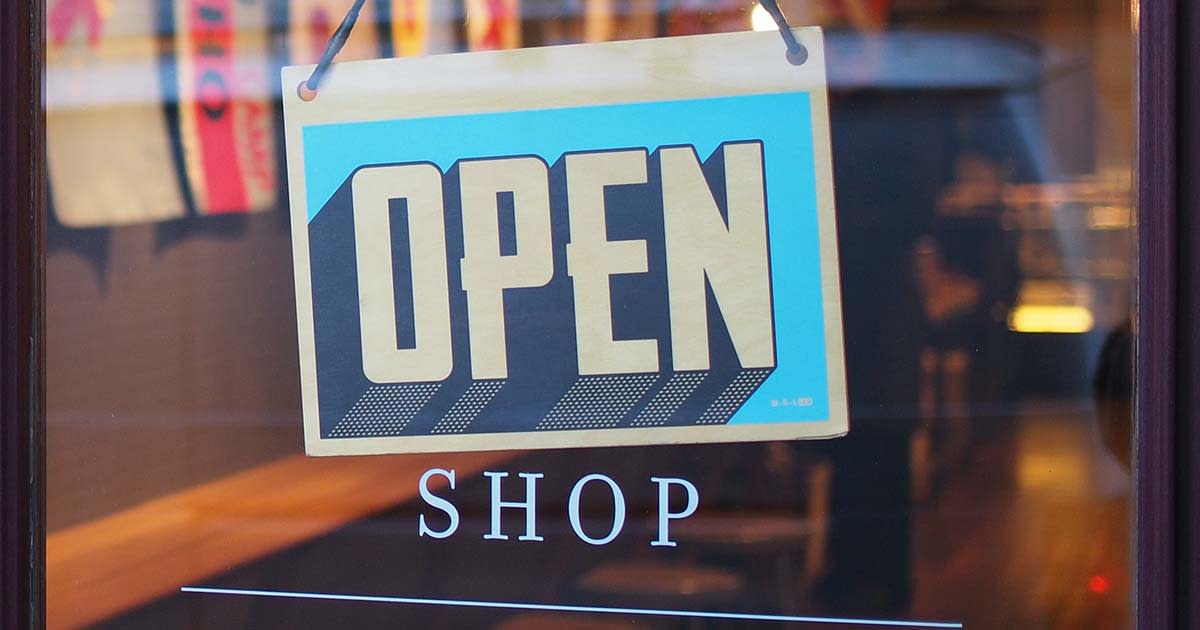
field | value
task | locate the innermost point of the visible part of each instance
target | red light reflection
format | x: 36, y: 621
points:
x: 1098, y: 584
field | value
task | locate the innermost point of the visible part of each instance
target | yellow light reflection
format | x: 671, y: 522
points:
x: 1063, y: 474
x: 760, y: 20
x: 1053, y: 456
x: 1030, y: 318
x: 1109, y: 218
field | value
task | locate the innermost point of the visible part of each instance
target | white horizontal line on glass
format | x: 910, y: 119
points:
x: 890, y: 623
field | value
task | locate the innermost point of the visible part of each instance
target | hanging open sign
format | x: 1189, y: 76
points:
x: 624, y: 243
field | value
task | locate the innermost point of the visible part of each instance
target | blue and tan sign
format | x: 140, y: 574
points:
x: 606, y: 244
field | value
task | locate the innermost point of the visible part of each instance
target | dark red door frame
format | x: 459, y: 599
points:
x: 1187, y: 340
x: 22, y: 203
x: 1167, y: 437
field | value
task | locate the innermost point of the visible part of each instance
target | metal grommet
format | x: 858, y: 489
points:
x: 798, y: 57
x: 305, y: 93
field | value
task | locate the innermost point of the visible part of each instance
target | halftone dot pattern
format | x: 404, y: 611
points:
x: 734, y: 396
x: 467, y: 408
x: 669, y: 399
x: 597, y: 402
x: 384, y: 410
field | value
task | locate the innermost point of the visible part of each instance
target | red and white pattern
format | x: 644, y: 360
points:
x: 493, y: 24
x: 225, y: 116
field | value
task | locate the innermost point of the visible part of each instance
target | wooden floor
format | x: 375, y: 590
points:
x: 119, y: 562
x: 1030, y: 531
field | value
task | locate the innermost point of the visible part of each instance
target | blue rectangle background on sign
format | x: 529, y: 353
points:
x: 797, y: 391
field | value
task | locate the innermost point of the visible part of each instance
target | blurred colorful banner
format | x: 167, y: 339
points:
x: 226, y: 125
x: 108, y: 142
x: 493, y: 24
x: 312, y: 22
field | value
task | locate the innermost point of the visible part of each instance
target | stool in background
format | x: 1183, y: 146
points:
x: 773, y: 537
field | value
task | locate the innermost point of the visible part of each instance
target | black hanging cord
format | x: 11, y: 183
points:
x: 796, y: 52
x: 333, y: 47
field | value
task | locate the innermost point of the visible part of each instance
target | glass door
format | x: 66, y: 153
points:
x: 982, y: 160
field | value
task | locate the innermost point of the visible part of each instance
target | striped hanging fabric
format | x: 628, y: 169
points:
x: 226, y: 126
x: 108, y: 141
x: 608, y: 20
x: 410, y: 27
x: 493, y: 24
x: 312, y: 22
